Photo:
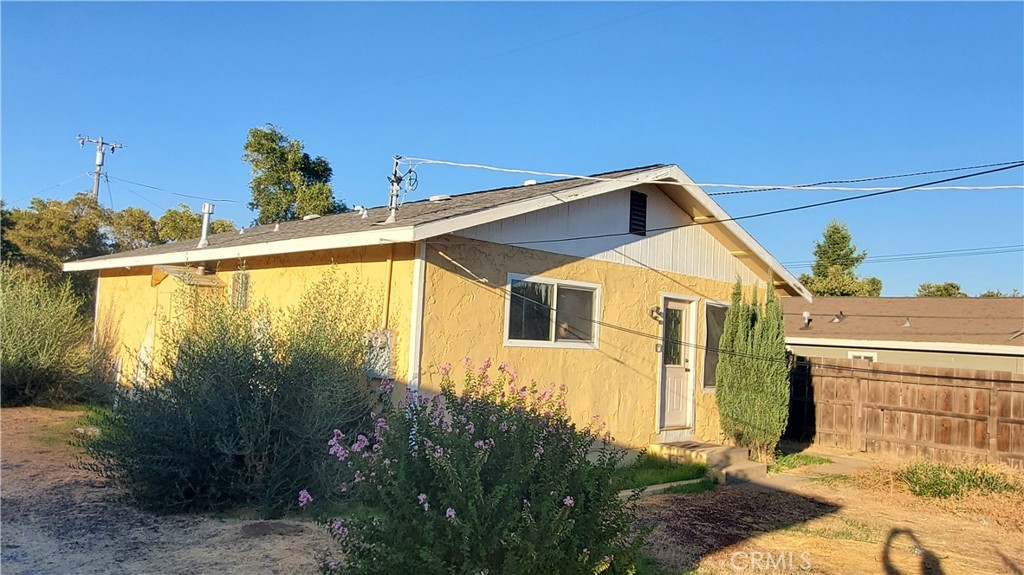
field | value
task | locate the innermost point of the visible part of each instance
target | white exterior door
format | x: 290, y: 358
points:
x: 675, y: 366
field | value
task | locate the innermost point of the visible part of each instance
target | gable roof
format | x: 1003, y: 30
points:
x: 909, y: 322
x: 425, y: 219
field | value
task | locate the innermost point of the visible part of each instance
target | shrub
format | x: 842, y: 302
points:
x: 752, y: 377
x: 941, y: 480
x: 237, y: 407
x: 45, y: 344
x: 495, y: 480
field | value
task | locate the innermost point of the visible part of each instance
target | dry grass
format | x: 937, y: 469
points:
x: 1005, y: 509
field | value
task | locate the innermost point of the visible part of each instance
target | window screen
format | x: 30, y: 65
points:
x: 715, y: 319
x: 574, y: 314
x: 530, y: 311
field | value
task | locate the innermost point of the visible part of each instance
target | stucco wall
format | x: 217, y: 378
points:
x: 128, y: 304
x: 464, y: 315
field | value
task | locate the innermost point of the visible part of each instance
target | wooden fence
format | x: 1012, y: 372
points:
x: 943, y: 414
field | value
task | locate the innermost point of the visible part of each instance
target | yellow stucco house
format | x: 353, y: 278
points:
x: 613, y: 285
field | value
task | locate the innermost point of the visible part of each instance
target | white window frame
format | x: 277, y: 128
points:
x: 869, y: 355
x: 563, y: 344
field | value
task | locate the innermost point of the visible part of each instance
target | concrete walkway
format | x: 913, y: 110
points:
x: 787, y: 480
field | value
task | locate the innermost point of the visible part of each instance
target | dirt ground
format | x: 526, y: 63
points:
x: 58, y: 520
x: 864, y: 524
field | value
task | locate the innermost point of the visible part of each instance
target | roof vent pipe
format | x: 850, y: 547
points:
x: 207, y: 210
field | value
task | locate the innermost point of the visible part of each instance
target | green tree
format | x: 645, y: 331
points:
x: 132, y: 229
x: 948, y: 289
x: 835, y: 262
x: 752, y: 377
x: 287, y: 183
x: 9, y: 251
x: 1000, y: 293
x: 183, y: 224
x: 51, y: 232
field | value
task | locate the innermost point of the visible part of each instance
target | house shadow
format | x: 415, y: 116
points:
x: 687, y: 529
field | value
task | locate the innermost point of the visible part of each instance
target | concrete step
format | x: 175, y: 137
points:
x: 739, y: 472
x: 726, y: 464
x: 709, y: 454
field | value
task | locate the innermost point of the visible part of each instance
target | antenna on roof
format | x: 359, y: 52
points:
x: 807, y: 320
x: 396, y: 179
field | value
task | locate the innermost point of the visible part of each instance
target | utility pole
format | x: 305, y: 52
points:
x: 101, y: 148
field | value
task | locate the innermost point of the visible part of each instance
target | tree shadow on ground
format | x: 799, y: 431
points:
x: 689, y: 528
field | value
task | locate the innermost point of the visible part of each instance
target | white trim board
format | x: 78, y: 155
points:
x: 934, y: 346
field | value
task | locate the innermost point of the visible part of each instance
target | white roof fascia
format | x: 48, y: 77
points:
x: 486, y: 216
x: 741, y: 234
x: 937, y: 346
x: 347, y: 240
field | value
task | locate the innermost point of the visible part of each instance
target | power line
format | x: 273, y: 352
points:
x: 176, y: 193
x: 752, y: 187
x: 941, y: 254
x: 855, y: 181
x: 778, y: 211
x: 506, y: 295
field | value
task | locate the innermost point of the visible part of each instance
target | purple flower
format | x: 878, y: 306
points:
x: 445, y: 368
x: 359, y: 477
x: 568, y: 501
x: 450, y: 514
x: 339, y: 528
x: 503, y: 427
x: 304, y: 498
x: 438, y: 451
x: 470, y: 428
x: 422, y: 497
x: 361, y: 443
x: 386, y: 386
x: 485, y: 365
x: 479, y: 444
x: 344, y: 486
x: 538, y: 451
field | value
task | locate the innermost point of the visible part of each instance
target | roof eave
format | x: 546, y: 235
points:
x: 213, y: 253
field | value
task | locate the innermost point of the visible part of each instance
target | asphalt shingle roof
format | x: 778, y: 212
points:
x: 409, y: 214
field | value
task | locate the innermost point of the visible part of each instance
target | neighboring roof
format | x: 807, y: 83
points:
x: 425, y: 219
x: 890, y: 322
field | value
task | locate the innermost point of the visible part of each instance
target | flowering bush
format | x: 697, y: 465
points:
x: 235, y: 411
x: 495, y: 480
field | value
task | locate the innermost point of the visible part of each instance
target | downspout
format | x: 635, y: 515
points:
x: 419, y: 269
x: 387, y: 288
x: 96, y: 309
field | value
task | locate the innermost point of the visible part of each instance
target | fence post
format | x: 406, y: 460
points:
x: 857, y: 421
x: 993, y: 423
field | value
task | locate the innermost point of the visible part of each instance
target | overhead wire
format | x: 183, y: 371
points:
x: 776, y: 212
x: 915, y: 256
x: 229, y: 200
x: 506, y: 295
x: 823, y: 185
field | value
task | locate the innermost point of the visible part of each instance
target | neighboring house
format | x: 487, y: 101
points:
x: 576, y: 281
x: 968, y: 333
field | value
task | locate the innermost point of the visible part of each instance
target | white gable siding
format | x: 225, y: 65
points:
x: 688, y: 250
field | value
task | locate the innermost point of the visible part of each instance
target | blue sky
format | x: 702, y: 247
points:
x: 746, y: 93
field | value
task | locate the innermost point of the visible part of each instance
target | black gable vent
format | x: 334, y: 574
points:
x: 637, y: 213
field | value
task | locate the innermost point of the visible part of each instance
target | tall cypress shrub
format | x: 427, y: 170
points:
x: 753, y: 374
